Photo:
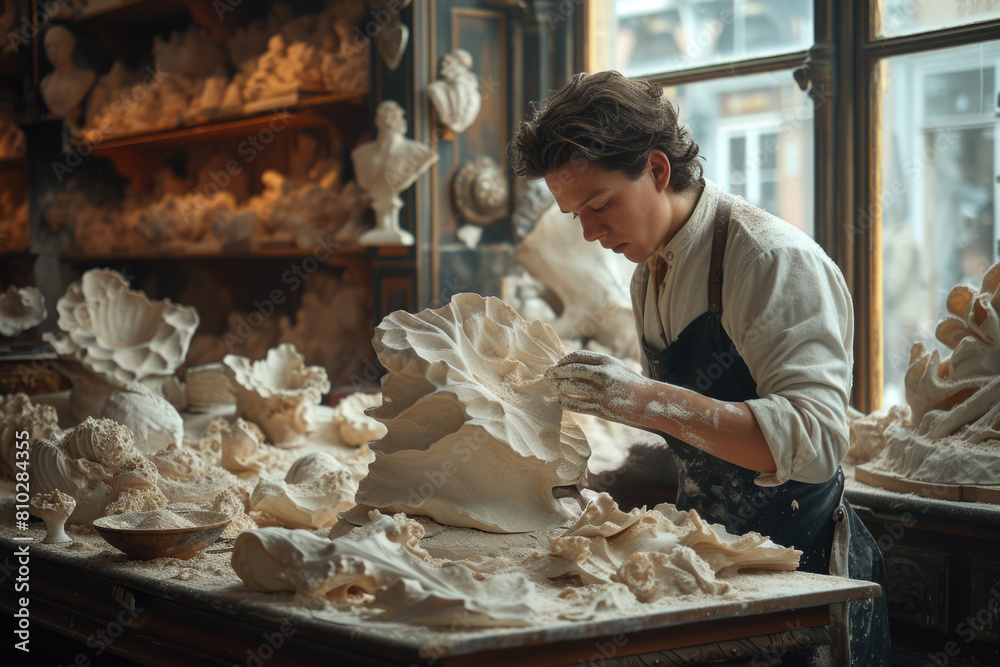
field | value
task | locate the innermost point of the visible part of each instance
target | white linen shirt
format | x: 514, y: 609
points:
x: 789, y: 313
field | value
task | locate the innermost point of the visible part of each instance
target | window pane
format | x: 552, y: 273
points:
x: 756, y: 134
x: 905, y: 17
x: 938, y: 201
x: 662, y: 35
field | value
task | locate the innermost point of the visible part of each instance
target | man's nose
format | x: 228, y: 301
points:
x: 592, y: 229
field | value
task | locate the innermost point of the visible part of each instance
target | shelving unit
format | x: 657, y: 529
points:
x: 215, y: 277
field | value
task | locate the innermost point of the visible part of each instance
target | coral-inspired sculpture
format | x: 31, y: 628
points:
x: 234, y: 502
x: 102, y: 441
x: 23, y: 422
x: 588, y: 280
x: 181, y: 463
x: 387, y: 166
x: 208, y: 386
x: 134, y: 488
x: 155, y: 423
x: 82, y: 464
x: 118, y: 333
x: 456, y: 94
x: 20, y: 309
x: 54, y: 508
x: 952, y: 432
x: 278, y: 392
x: 243, y: 449
x: 382, y: 560
x: 357, y: 428
x: 316, y: 489
x: 475, y: 437
x: 657, y: 552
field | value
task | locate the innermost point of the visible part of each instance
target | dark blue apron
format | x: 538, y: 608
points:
x: 704, y: 359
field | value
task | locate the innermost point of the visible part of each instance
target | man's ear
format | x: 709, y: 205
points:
x: 659, y: 168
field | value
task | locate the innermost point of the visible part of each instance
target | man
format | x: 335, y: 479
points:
x: 746, y: 329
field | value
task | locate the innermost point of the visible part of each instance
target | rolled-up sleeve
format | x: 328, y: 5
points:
x: 792, y: 321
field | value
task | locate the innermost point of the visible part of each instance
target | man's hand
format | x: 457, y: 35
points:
x: 599, y: 384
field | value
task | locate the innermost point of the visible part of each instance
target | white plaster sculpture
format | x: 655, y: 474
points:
x: 20, y: 309
x: 235, y: 502
x: 243, y: 449
x: 391, y: 38
x: 278, y: 393
x: 384, y: 561
x: 357, y: 428
x: 119, y: 334
x: 475, y: 437
x: 134, y: 488
x: 951, y: 432
x: 387, y: 166
x: 181, y: 463
x: 23, y: 422
x: 456, y: 94
x: 154, y: 421
x: 82, y: 463
x: 316, y: 489
x: 54, y: 509
x: 657, y: 552
x: 66, y: 86
x: 590, y: 282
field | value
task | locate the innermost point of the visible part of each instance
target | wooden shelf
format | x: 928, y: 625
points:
x: 150, y: 12
x: 299, y: 116
x: 343, y: 252
x: 11, y: 163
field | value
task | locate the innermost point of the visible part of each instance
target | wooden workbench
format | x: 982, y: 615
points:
x: 164, y: 621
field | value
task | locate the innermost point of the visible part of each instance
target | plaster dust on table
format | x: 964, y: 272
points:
x: 949, y: 431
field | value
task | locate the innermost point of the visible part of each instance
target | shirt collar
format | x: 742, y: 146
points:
x: 702, y: 215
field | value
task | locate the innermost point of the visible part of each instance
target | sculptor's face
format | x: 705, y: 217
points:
x: 624, y: 215
x: 59, y: 44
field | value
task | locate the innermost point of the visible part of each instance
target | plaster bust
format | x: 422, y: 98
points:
x: 385, y: 167
x: 456, y: 94
x: 65, y: 87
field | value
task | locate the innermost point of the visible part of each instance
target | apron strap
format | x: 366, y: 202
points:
x: 723, y: 210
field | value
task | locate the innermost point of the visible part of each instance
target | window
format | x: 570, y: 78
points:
x: 891, y: 161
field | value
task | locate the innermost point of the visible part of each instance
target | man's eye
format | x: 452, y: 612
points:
x: 603, y: 208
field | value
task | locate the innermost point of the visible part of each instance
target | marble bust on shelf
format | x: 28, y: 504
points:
x: 68, y: 84
x: 456, y: 95
x: 385, y: 167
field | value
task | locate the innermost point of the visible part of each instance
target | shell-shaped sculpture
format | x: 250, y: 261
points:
x: 23, y: 422
x: 119, y: 333
x: 103, y: 441
x: 475, y: 437
x: 86, y: 481
x: 243, y: 449
x: 20, y: 309
x: 209, y: 386
x: 278, y: 392
x: 316, y: 489
x: 357, y: 428
x: 155, y: 423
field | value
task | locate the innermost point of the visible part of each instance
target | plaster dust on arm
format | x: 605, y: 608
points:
x: 599, y: 384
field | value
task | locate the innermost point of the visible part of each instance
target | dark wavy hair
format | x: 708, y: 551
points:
x: 610, y: 120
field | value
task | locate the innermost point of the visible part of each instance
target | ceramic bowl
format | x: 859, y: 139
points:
x: 180, y: 543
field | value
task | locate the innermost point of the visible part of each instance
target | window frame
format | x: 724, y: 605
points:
x: 841, y: 73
